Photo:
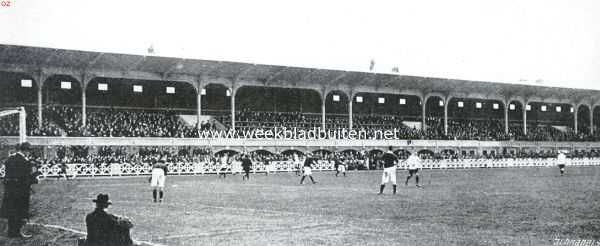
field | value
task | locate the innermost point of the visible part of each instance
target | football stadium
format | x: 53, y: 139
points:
x: 299, y: 123
x: 97, y: 123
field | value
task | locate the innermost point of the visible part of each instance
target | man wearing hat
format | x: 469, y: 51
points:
x: 17, y: 190
x: 105, y: 229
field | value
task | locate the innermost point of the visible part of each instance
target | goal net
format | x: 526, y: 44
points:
x: 13, y: 123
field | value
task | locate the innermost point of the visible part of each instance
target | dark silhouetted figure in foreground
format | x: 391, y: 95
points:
x: 17, y: 190
x: 105, y: 229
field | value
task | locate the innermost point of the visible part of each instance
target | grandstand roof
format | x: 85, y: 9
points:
x: 87, y: 64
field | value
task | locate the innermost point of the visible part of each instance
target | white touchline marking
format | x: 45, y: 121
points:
x: 84, y: 233
x: 224, y: 232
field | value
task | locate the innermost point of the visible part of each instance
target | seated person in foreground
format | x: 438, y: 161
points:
x: 105, y: 229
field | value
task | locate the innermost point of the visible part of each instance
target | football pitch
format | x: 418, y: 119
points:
x: 505, y: 206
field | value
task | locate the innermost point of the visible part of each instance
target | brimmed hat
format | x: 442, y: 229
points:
x: 102, y: 199
x: 25, y: 146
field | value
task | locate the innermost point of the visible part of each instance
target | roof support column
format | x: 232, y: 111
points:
x: 84, y: 80
x: 40, y: 79
x: 323, y: 97
x: 446, y: 103
x: 446, y: 118
x: 591, y: 120
x: 199, y: 87
x: 423, y: 114
x: 83, y: 106
x: 350, y: 112
x: 524, y: 109
x: 233, y: 91
x: 575, y: 112
x: 506, y: 104
x: 39, y: 104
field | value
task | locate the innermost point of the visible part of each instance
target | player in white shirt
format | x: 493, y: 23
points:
x: 157, y: 181
x: 297, y: 164
x: 561, y: 161
x: 414, y: 164
x: 236, y: 165
x: 224, y: 166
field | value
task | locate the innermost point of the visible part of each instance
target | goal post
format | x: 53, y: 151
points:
x: 22, y: 120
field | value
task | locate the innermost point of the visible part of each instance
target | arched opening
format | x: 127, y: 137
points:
x: 291, y: 152
x: 475, y: 119
x: 269, y: 107
x: 322, y: 153
x: 402, y: 153
x: 374, y: 159
x: 449, y: 154
x: 17, y: 89
x: 227, y: 152
x: 20, y: 90
x: 262, y: 152
x: 426, y: 154
x: 515, y: 119
x: 583, y: 120
x: 434, y: 117
x: 215, y: 99
x: 596, y: 119
x: 159, y: 95
x: 63, y: 90
x: 336, y: 108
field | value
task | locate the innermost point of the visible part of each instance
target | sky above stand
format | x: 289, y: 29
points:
x: 539, y: 42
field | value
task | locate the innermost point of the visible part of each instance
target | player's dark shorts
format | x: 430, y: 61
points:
x: 561, y: 166
x: 247, y: 170
x: 412, y: 171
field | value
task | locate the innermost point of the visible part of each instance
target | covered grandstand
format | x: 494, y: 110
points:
x: 93, y: 97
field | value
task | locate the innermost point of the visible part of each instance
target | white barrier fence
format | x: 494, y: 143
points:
x: 202, y: 168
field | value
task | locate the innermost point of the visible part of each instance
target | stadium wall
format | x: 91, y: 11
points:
x: 277, y: 146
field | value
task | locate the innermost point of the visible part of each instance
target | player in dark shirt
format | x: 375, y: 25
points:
x: 308, y: 163
x: 339, y: 166
x: 246, y: 165
x: 389, y: 169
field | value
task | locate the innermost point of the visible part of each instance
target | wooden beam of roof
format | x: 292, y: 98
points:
x: 135, y: 65
x: 274, y: 75
x: 93, y: 62
x: 311, y: 72
x: 178, y: 64
x: 49, y: 58
x: 339, y: 77
x: 244, y: 71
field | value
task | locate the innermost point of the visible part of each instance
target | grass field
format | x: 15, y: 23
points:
x: 526, y: 206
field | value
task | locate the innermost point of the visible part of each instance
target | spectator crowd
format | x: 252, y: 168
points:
x: 60, y: 120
